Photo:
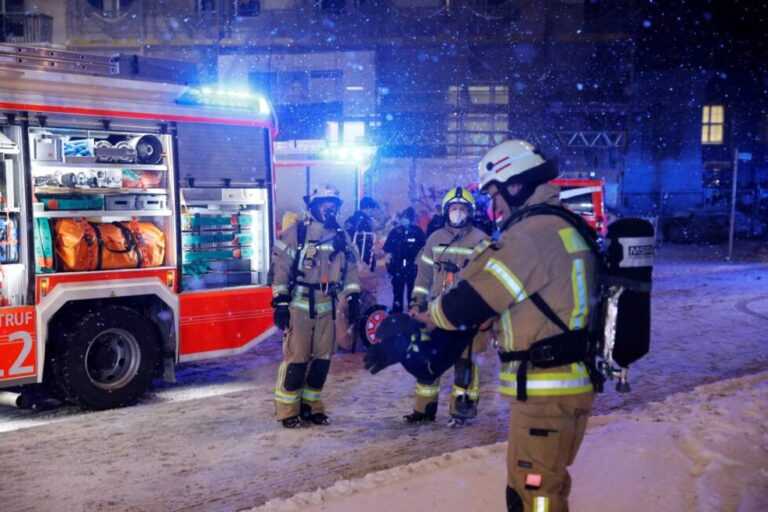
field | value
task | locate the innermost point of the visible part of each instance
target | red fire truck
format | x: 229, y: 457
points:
x: 136, y: 222
x: 585, y: 196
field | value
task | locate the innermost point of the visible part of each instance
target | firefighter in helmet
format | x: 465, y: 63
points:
x: 534, y: 283
x: 446, y: 252
x: 314, y: 267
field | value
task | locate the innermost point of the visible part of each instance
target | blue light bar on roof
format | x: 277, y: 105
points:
x: 224, y: 96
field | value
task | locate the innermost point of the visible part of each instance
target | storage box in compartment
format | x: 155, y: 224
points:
x: 151, y: 202
x: 55, y: 202
x: 217, y: 280
x: 46, y: 149
x: 214, y: 221
x: 121, y: 202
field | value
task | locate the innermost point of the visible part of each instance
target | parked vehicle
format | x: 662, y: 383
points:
x: 150, y: 221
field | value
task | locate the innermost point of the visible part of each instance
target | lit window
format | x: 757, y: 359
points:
x: 332, y: 131
x: 712, y: 122
x: 354, y: 132
x: 478, y: 95
x: 453, y: 94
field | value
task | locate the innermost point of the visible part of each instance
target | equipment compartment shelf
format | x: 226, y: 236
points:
x: 61, y: 214
x: 72, y: 191
x: 97, y: 165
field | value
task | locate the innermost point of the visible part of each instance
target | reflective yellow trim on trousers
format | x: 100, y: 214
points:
x: 311, y: 395
x: 580, y: 299
x: 279, y: 289
x: 427, y: 391
x: 507, y: 334
x: 352, y: 288
x: 507, y: 279
x: 458, y: 391
x: 473, y: 391
x: 436, y: 312
x: 420, y: 290
x: 321, y: 308
x: 575, y: 382
x: 540, y: 504
x: 572, y: 241
x: 285, y: 397
x: 426, y: 259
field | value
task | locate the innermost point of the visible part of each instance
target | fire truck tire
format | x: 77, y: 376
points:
x: 107, y: 358
x: 368, y: 323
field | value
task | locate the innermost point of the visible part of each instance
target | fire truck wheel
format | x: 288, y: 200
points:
x: 369, y: 322
x: 108, y: 358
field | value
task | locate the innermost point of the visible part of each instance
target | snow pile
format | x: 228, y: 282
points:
x: 705, y: 450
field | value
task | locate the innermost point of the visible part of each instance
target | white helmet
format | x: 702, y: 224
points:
x: 323, y: 193
x: 514, y: 159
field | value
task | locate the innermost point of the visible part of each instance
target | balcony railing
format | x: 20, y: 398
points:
x: 26, y: 28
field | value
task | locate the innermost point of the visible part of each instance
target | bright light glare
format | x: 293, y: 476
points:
x: 348, y: 153
x: 226, y: 96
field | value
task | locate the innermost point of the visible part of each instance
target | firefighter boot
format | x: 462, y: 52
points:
x: 422, y: 417
x: 317, y: 418
x: 464, y: 409
x: 514, y: 502
x: 292, y: 422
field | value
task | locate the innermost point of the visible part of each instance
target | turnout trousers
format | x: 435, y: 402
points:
x: 402, y: 283
x: 307, y: 348
x: 545, y: 434
x: 466, y: 384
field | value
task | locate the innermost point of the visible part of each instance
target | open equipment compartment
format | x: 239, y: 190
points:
x: 12, y: 250
x: 225, y: 225
x: 103, y: 198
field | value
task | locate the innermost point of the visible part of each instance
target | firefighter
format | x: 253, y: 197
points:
x: 535, y: 284
x: 403, y: 245
x: 314, y: 266
x: 361, y: 228
x: 446, y: 252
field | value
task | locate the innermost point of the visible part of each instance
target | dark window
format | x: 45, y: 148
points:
x: 333, y: 5
x: 111, y: 8
x: 245, y: 8
x: 206, y: 5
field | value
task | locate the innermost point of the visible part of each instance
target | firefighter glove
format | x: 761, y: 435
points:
x: 281, y: 315
x: 353, y: 307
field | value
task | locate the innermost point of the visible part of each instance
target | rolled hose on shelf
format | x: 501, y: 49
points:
x: 149, y: 149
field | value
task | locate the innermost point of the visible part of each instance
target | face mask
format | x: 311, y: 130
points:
x: 405, y: 222
x: 457, y: 217
x: 329, y: 219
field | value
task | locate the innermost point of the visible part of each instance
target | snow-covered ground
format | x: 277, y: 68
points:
x: 705, y: 450
x: 209, y: 442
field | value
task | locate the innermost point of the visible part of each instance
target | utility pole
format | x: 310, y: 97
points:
x: 736, y: 157
x: 733, y: 201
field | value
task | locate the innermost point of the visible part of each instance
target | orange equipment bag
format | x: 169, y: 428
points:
x: 83, y: 245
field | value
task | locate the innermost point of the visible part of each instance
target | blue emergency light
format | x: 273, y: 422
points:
x: 224, y: 96
x: 346, y: 153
